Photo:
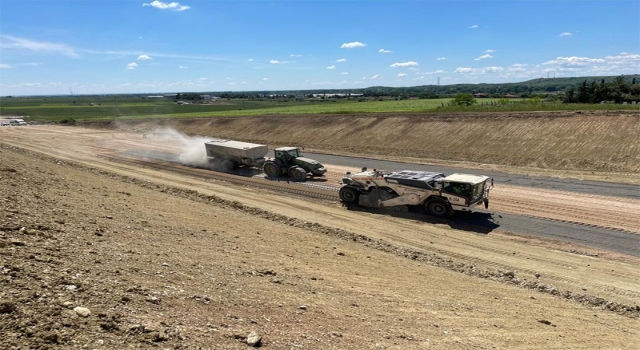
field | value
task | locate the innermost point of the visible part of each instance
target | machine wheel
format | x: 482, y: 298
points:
x: 228, y: 165
x: 272, y: 169
x: 297, y: 174
x: 438, y: 208
x: 349, y: 194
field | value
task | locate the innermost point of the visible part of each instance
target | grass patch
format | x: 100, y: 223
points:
x: 86, y: 108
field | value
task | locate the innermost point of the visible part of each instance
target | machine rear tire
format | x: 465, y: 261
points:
x: 272, y: 169
x: 297, y: 174
x: 438, y: 208
x: 349, y: 194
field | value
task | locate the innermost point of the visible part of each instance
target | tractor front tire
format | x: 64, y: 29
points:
x: 297, y: 174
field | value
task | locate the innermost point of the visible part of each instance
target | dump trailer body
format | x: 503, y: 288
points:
x: 241, y: 153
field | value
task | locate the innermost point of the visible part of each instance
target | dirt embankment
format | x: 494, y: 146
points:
x: 602, y: 141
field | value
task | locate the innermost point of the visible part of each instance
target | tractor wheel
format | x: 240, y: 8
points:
x: 272, y: 169
x: 349, y: 194
x: 297, y: 174
x: 438, y: 208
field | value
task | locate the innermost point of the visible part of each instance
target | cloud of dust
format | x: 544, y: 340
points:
x: 191, y: 148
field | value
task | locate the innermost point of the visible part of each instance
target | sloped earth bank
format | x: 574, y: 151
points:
x: 161, y: 260
x: 602, y: 142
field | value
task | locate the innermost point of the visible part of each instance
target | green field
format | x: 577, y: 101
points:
x: 81, y: 108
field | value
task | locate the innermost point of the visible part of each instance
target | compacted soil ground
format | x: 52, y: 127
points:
x: 97, y: 254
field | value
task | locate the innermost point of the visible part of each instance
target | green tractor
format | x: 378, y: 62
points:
x: 288, y: 162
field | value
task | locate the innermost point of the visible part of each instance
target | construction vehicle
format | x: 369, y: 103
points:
x: 288, y: 162
x: 228, y: 155
x: 438, y: 194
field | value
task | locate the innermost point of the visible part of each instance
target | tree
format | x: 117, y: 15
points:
x: 464, y: 99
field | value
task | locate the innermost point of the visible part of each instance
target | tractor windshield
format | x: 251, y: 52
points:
x: 294, y: 153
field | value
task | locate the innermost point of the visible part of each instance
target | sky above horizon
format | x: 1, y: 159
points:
x: 128, y: 46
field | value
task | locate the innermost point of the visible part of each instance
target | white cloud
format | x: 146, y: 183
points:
x: 518, y: 67
x: 15, y: 43
x: 344, y: 73
x: 404, y: 64
x: 384, y: 51
x: 402, y: 74
x: 278, y: 62
x: 173, y: 6
x: 440, y: 58
x: 342, y: 60
x: 493, y: 69
x: 475, y: 26
x: 375, y: 77
x: 293, y: 55
x: 566, y: 34
x: 265, y: 79
x: 5, y: 66
x: 250, y: 60
x: 489, y: 51
x: 352, y: 45
x: 331, y: 67
x: 132, y: 65
x: 575, y: 61
x: 467, y: 70
x: 463, y: 70
x: 144, y: 58
x: 182, y: 67
x: 483, y: 57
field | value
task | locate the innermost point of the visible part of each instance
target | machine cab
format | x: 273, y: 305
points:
x: 472, y: 187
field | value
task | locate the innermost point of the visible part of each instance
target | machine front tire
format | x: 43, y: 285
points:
x: 272, y: 169
x: 349, y: 194
x: 438, y: 208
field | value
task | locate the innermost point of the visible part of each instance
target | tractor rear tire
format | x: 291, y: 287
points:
x: 438, y: 208
x: 349, y: 194
x: 297, y: 174
x: 272, y: 169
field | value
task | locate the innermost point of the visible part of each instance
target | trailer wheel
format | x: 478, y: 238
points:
x: 297, y: 174
x: 349, y: 194
x: 272, y: 169
x: 438, y: 208
x: 228, y: 165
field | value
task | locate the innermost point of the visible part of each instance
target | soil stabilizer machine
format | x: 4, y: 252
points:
x: 440, y: 195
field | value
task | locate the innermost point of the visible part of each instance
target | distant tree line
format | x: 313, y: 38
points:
x: 616, y: 91
x: 189, y: 96
x: 571, y: 90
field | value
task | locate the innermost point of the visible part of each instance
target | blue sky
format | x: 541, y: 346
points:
x: 129, y: 46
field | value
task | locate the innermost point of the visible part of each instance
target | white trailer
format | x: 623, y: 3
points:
x: 228, y: 155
